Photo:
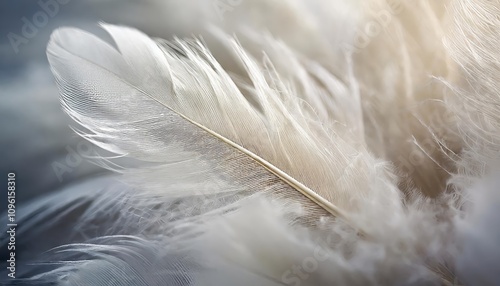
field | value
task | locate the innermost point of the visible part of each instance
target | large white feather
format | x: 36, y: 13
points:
x: 175, y: 104
x: 172, y: 107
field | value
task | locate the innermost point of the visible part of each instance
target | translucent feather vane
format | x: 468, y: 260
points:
x: 174, y: 106
x: 172, y: 101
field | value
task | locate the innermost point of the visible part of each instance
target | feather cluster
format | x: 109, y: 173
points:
x: 356, y: 145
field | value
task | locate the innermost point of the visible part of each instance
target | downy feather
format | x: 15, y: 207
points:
x: 171, y: 105
x: 174, y: 103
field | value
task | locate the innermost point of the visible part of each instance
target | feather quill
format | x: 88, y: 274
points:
x: 172, y: 108
x: 174, y: 103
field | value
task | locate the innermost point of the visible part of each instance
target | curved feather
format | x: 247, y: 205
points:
x: 174, y: 104
x: 171, y: 107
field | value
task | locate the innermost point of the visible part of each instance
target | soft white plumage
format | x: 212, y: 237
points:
x: 289, y: 157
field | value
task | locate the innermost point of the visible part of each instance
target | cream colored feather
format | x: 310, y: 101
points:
x: 173, y: 106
